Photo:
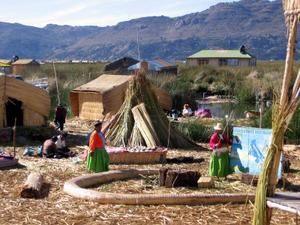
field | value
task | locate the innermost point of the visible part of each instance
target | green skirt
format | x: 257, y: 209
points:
x: 99, y: 161
x: 219, y: 164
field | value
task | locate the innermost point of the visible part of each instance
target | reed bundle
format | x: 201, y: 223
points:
x: 283, y: 111
x: 291, y: 10
x: 145, y: 124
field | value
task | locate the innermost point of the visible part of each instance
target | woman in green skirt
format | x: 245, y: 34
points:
x: 98, y: 158
x: 219, y: 160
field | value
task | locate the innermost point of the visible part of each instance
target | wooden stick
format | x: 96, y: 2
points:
x: 289, y: 63
x: 55, y: 75
x: 14, y: 137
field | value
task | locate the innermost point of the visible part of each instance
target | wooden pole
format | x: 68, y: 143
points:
x: 260, y: 115
x: 55, y: 75
x: 4, y: 101
x: 14, y: 137
x: 289, y: 63
x: 33, y: 186
x: 280, y: 121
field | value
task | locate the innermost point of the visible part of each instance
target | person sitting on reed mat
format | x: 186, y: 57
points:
x: 187, y: 111
x: 61, y: 148
x: 49, y: 147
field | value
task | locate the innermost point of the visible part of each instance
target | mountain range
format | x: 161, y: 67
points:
x: 257, y: 24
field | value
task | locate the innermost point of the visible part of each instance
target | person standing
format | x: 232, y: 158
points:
x: 219, y: 160
x: 60, y: 117
x: 97, y: 158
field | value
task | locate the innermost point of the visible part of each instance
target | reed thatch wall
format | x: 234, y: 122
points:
x: 1, y: 114
x: 35, y: 101
x: 105, y: 95
x: 90, y: 105
x: 32, y: 119
x: 164, y: 99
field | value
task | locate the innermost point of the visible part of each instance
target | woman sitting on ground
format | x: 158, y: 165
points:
x: 49, y: 147
x: 61, y: 147
x: 187, y: 111
x: 98, y: 158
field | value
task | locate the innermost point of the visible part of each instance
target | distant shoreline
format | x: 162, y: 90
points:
x: 216, y: 99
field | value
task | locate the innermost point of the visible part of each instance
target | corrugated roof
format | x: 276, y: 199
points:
x: 163, y: 62
x: 235, y: 54
x: 152, y: 66
x: 24, y: 62
x: 103, y: 83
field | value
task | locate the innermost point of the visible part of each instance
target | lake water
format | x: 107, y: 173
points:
x: 237, y: 109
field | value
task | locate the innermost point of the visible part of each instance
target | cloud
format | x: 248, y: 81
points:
x: 96, y: 12
x: 66, y: 12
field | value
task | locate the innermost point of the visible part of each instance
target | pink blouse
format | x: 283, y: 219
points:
x: 216, y: 142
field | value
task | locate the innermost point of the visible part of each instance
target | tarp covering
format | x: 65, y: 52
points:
x: 152, y: 66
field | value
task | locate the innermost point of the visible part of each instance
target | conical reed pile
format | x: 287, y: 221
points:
x: 125, y: 131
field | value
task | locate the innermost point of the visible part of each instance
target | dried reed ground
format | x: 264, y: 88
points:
x: 59, y: 208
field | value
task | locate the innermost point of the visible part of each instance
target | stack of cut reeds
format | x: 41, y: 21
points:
x: 141, y: 121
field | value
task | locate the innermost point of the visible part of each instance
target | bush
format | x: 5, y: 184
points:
x: 245, y: 94
x: 293, y: 132
x: 195, y: 130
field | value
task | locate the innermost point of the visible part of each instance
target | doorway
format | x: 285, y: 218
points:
x: 14, y: 112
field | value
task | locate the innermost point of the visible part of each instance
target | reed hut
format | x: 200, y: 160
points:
x: 22, y: 102
x: 283, y: 111
x: 105, y: 95
x: 22, y: 65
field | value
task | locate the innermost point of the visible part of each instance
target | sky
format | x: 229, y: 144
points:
x: 95, y: 12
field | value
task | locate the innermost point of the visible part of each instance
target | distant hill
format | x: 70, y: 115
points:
x: 258, y: 24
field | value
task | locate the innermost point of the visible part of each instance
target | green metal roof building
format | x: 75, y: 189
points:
x: 222, y: 58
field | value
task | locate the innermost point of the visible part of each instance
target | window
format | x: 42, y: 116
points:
x: 229, y: 62
x: 223, y: 62
x: 202, y: 61
x: 233, y: 62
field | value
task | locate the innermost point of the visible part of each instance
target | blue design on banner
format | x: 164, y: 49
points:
x: 249, y: 149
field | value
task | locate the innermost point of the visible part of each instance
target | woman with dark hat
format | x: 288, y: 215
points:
x: 98, y: 158
x: 219, y: 160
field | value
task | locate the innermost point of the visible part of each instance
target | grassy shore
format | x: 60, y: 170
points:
x: 189, y: 85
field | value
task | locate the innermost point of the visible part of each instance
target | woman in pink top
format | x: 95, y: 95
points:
x: 219, y: 160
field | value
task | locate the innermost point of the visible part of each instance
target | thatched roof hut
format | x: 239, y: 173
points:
x: 23, y: 102
x: 21, y: 65
x: 105, y: 95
